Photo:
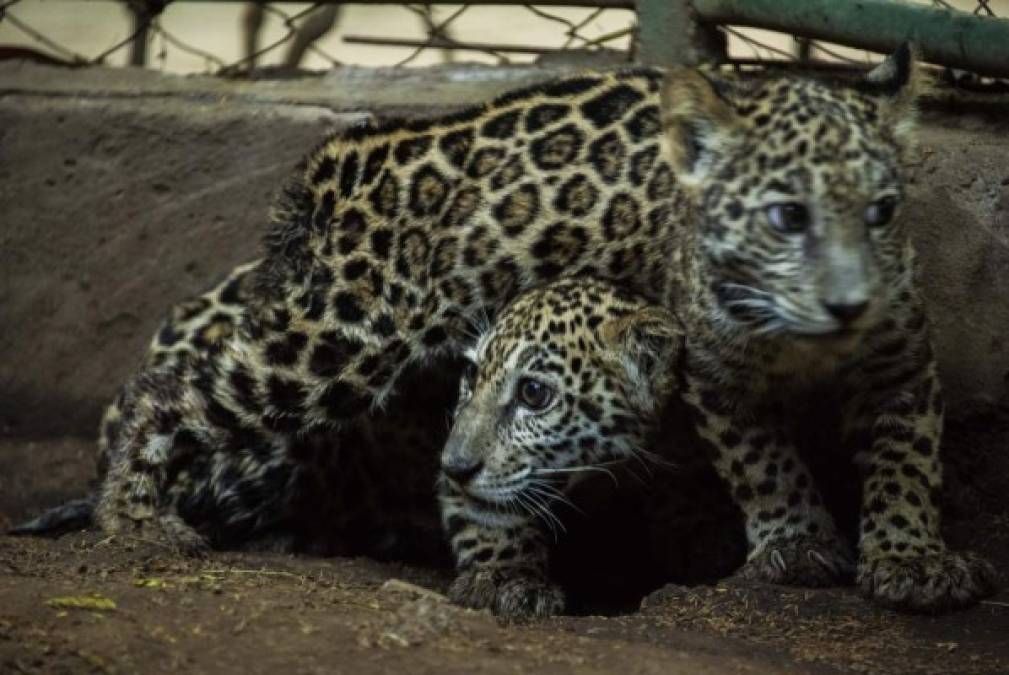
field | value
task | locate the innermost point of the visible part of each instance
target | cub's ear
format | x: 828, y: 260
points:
x: 896, y: 82
x: 646, y: 343
x: 698, y: 120
x: 896, y: 74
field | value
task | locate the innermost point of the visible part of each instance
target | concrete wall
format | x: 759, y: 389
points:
x: 123, y: 191
x: 959, y: 205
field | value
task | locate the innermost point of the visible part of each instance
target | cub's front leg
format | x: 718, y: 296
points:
x: 500, y: 566
x: 903, y: 562
x: 792, y: 538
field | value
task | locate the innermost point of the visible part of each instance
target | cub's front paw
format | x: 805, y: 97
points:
x: 932, y: 583
x: 801, y: 561
x: 512, y: 594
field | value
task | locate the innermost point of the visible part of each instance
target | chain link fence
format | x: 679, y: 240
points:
x: 397, y: 35
x: 447, y: 32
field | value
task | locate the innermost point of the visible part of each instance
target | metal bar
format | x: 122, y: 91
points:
x: 948, y: 37
x: 670, y: 33
x: 793, y: 64
x: 141, y: 30
x: 449, y: 44
x: 665, y: 30
x: 606, y: 4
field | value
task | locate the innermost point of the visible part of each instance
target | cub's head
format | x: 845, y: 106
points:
x: 797, y: 186
x: 571, y: 376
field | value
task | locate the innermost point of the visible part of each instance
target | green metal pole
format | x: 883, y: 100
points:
x: 670, y: 34
x: 605, y: 4
x: 664, y: 29
x: 949, y: 37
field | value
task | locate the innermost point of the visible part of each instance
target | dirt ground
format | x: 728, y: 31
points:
x: 83, y: 603
x: 114, y: 206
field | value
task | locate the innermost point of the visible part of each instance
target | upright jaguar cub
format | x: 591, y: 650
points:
x: 764, y: 215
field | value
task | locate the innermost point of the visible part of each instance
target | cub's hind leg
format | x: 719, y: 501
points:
x: 138, y: 443
x: 181, y: 467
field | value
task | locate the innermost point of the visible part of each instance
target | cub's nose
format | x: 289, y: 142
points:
x: 461, y: 469
x: 846, y: 312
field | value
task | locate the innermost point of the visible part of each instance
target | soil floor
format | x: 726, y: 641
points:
x: 83, y: 603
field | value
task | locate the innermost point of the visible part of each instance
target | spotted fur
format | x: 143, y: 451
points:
x: 194, y: 327
x: 336, y: 496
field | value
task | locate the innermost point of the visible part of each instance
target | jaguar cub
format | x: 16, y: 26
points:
x: 570, y: 378
x: 803, y: 289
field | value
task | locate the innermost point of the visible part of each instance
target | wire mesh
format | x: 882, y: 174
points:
x: 561, y: 30
x: 447, y: 33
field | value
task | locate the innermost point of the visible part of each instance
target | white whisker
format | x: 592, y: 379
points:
x: 652, y: 457
x: 730, y: 285
x: 513, y: 506
x: 548, y: 491
x: 638, y: 455
x: 536, y: 504
x: 548, y: 512
x: 601, y: 468
x: 754, y: 303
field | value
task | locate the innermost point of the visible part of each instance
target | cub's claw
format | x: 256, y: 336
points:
x: 801, y: 561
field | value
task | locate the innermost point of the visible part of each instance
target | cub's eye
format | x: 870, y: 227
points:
x: 469, y: 372
x: 533, y: 394
x: 880, y: 212
x: 789, y: 218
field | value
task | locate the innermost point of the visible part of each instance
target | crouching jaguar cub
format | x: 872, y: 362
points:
x: 571, y: 377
